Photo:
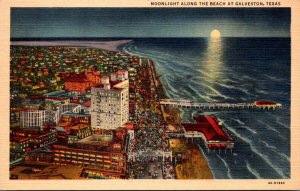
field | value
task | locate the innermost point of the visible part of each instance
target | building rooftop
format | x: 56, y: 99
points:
x: 264, y: 102
x: 81, y: 114
x: 111, y: 141
x: 97, y: 139
x: 77, y: 78
x: 208, y: 125
x: 87, y: 103
x: 117, y: 85
x: 58, y: 95
x: 80, y: 126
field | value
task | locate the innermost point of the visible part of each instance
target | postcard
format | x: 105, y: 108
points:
x: 172, y: 95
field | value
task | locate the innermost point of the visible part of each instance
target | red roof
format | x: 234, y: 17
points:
x: 76, y: 78
x: 26, y: 132
x: 27, y: 80
x: 87, y: 103
x: 129, y: 126
x: 264, y: 102
x: 112, y: 85
x: 207, y: 125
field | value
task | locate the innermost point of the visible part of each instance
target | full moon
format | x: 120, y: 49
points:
x: 215, y: 33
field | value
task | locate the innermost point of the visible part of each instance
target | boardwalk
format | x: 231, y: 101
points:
x: 190, y: 104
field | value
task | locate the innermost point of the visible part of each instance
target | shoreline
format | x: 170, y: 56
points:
x: 195, y: 165
x: 104, y: 45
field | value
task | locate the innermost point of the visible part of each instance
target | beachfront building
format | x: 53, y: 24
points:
x: 109, y: 105
x: 208, y: 128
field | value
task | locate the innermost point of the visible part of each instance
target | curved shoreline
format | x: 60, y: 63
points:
x: 105, y: 45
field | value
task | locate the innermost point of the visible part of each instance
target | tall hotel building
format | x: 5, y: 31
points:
x: 110, y: 102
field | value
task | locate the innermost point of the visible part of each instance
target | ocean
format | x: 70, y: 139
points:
x: 231, y: 70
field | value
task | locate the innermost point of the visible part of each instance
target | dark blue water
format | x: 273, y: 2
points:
x: 232, y: 70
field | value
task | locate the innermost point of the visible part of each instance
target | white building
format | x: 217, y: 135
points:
x: 119, y: 75
x: 33, y: 119
x: 110, y: 105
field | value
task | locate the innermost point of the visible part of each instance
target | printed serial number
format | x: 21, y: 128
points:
x: 276, y: 182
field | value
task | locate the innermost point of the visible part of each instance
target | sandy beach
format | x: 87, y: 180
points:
x: 193, y: 164
x: 105, y: 45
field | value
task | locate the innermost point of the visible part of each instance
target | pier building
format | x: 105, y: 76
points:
x: 209, y: 129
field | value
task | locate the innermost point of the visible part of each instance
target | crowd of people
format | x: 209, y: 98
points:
x: 150, y: 140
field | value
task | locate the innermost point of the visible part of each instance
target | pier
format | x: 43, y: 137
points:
x: 264, y: 105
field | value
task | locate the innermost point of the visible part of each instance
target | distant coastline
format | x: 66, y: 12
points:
x: 110, y: 45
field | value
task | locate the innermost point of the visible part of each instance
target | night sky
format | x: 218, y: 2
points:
x: 140, y: 22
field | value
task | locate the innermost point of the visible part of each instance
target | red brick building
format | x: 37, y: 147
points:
x: 76, y: 118
x: 82, y: 81
x: 100, y: 155
x: 36, y: 138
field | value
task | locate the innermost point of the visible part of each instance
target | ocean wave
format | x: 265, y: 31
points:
x: 273, y: 78
x: 269, y: 127
x: 252, y: 170
x: 227, y: 167
x: 260, y: 91
x: 246, y: 77
x: 275, y: 150
x: 287, y: 126
x: 238, y: 135
x: 217, y: 92
x: 229, y: 81
x: 249, y: 129
x: 205, y: 73
x: 265, y: 158
x: 254, y: 150
x: 283, y: 124
x: 170, y: 87
x: 237, y: 87
x: 197, y: 80
x: 239, y: 121
x: 129, y: 50
x: 244, y: 125
x: 199, y: 95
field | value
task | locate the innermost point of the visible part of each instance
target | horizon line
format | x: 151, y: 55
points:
x: 19, y: 38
